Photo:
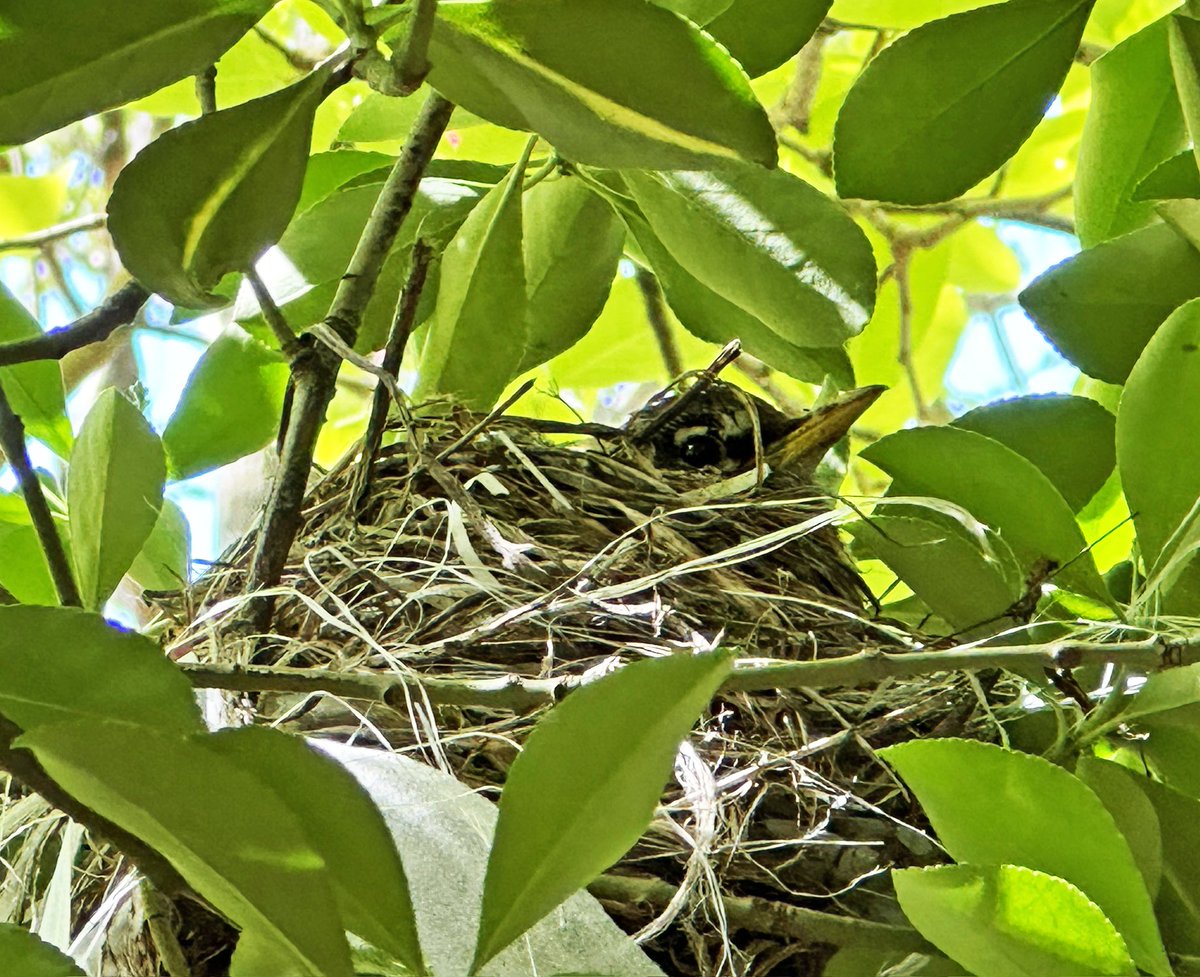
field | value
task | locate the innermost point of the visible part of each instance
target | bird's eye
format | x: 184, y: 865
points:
x: 700, y: 450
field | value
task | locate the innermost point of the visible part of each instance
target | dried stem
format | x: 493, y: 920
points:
x: 656, y: 315
x: 274, y: 318
x: 12, y: 442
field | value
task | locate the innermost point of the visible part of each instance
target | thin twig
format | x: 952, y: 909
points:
x: 656, y: 315
x: 393, y: 354
x: 411, y: 62
x: 796, y: 104
x: 161, y: 919
x: 116, y: 311
x: 37, y: 239
x: 315, y: 367
x: 904, y: 348
x: 206, y: 90
x: 12, y: 442
x: 271, y: 314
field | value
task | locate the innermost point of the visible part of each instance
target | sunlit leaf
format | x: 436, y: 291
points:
x: 1100, y: 307
x: 1070, y: 439
x: 212, y: 195
x: 1000, y: 488
x: 229, y: 408
x: 243, y: 850
x: 163, y: 562
x: 594, y: 78
x: 476, y: 341
x: 572, y: 242
x: 910, y: 135
x: 1009, y: 921
x: 767, y: 242
x: 50, y: 76
x: 1052, y: 823
x: 763, y: 34
x: 1133, y: 124
x: 585, y: 786
x: 1159, y: 467
x: 114, y: 492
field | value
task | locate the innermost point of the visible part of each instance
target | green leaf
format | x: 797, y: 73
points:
x: 163, y: 562
x: 380, y: 118
x: 23, y: 570
x: 1178, y: 902
x: 476, y: 341
x: 769, y: 243
x: 1000, y: 488
x: 80, y: 667
x: 230, y: 836
x: 344, y: 828
x: 1051, y: 823
x: 1070, y: 439
x: 1100, y: 307
x: 763, y: 34
x: 572, y: 243
x: 706, y: 315
x: 229, y: 408
x: 1009, y: 921
x: 1185, y: 64
x: 34, y: 390
x: 114, y: 493
x: 910, y: 135
x: 585, y: 787
x: 50, y: 75
x: 980, y: 262
x: 327, y: 172
x: 1173, y: 691
x: 1160, y: 404
x: 965, y: 580
x: 1176, y: 177
x: 1132, y: 811
x: 597, y: 79
x: 1133, y: 123
x: 23, y: 953
x: 697, y: 11
x: 212, y: 195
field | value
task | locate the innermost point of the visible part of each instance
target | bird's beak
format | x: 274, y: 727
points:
x: 803, y: 447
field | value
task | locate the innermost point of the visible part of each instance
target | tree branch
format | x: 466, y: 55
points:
x: 315, y: 367
x: 116, y: 311
x: 12, y: 443
x: 520, y: 693
x: 40, y: 238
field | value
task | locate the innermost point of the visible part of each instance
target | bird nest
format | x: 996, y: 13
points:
x: 486, y: 550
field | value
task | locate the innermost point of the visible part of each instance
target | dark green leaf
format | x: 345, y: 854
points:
x: 572, y: 243
x: 163, y: 562
x: 1178, y: 176
x: 1133, y: 124
x: 1000, y: 488
x: 965, y: 580
x: 1131, y: 810
x: 61, y: 60
x: 344, y: 828
x: 1185, y: 64
x: 230, y: 836
x: 80, y: 667
x: 229, y: 408
x: 1051, y: 823
x: 1160, y: 470
x: 769, y: 243
x: 981, y: 917
x: 697, y: 11
x: 585, y: 787
x: 327, y: 172
x: 763, y: 34
x: 912, y: 135
x: 597, y: 79
x: 212, y: 195
x: 1100, y: 307
x: 34, y: 390
x: 1070, y: 439
x: 23, y: 953
x: 114, y: 493
x: 476, y: 341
